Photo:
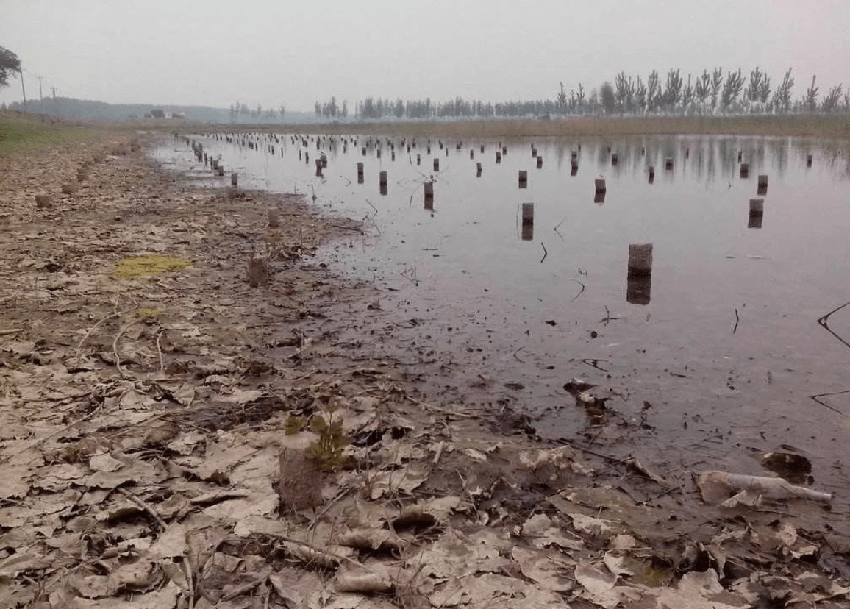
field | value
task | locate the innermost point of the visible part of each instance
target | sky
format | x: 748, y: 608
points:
x: 268, y: 52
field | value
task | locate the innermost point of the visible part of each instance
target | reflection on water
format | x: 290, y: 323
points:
x: 484, y: 296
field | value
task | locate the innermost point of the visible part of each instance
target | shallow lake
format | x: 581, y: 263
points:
x: 712, y: 359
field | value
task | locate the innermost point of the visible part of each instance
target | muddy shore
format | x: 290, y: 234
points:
x: 155, y: 435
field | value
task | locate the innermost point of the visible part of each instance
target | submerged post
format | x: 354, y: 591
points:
x: 234, y: 178
x: 523, y: 179
x: 639, y: 276
x: 600, y: 185
x: 745, y: 170
x: 762, y: 184
x: 756, y: 213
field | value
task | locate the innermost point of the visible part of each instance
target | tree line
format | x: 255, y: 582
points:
x: 709, y: 92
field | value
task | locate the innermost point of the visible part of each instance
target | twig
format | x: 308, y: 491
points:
x: 594, y: 363
x: 92, y: 329
x: 115, y: 346
x: 737, y: 319
x: 372, y: 206
x: 246, y: 587
x: 7, y: 332
x: 159, y: 349
x: 583, y: 287
x: 515, y: 356
x: 545, y: 253
x: 822, y: 322
x: 325, y: 509
x: 190, y: 581
x: 144, y: 506
x: 823, y: 395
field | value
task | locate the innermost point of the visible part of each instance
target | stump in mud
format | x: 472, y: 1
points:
x: 42, y: 201
x: 259, y: 272
x: 274, y: 218
x: 69, y: 189
x: 300, y: 484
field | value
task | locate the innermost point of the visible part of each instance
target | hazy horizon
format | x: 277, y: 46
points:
x: 212, y: 54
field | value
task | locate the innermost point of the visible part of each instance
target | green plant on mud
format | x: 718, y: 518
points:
x: 144, y: 266
x: 327, y: 452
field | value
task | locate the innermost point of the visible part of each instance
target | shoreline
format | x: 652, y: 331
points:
x: 145, y: 428
x: 835, y: 127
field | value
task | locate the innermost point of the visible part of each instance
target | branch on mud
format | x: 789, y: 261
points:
x: 822, y: 322
x: 583, y: 288
x: 545, y: 253
x: 737, y: 320
x: 824, y: 395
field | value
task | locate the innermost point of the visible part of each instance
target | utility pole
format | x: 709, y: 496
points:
x: 55, y: 111
x: 21, y: 72
x: 40, y: 96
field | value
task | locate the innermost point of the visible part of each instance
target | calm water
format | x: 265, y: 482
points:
x: 490, y: 301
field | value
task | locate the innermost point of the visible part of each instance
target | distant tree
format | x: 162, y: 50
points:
x: 577, y: 98
x: 640, y: 95
x: 344, y: 108
x: 702, y: 88
x: 731, y: 89
x: 281, y: 110
x: 811, y: 100
x: 9, y: 64
x: 606, y: 96
x: 234, y: 112
x: 259, y: 111
x: 687, y: 94
x: 847, y: 99
x: 653, y: 91
x: 782, y: 94
x: 561, y: 96
x: 317, y: 108
x: 672, y: 89
x: 244, y: 110
x: 399, y: 108
x: 624, y: 92
x: 716, y: 83
x: 758, y: 90
x: 831, y: 100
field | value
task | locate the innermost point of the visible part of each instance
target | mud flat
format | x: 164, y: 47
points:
x: 180, y: 426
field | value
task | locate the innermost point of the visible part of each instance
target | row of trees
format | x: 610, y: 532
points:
x: 710, y: 92
x: 240, y: 111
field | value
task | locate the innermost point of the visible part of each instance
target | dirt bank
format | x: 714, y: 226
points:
x: 179, y: 427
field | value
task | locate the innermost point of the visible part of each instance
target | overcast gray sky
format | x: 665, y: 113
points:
x: 215, y: 52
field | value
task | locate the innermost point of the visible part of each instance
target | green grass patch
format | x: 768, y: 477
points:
x: 23, y: 133
x: 146, y: 266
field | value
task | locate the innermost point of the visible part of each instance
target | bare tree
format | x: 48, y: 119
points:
x: 577, y: 98
x: 782, y: 94
x: 624, y: 92
x: 640, y: 95
x: 830, y: 101
x: 811, y: 100
x: 561, y: 97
